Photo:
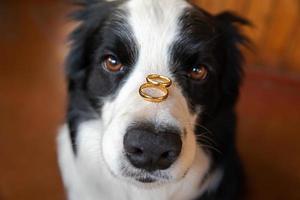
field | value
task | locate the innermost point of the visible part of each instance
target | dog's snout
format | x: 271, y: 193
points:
x: 151, y: 150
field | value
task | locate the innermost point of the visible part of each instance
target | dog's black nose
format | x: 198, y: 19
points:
x: 151, y: 150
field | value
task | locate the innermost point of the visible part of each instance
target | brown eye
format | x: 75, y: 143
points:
x: 112, y: 64
x: 199, y: 72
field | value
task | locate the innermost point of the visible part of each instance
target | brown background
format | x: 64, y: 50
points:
x: 276, y: 30
x: 32, y: 97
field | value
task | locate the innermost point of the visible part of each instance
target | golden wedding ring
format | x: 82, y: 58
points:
x: 156, y: 79
x: 158, y: 82
x: 154, y: 99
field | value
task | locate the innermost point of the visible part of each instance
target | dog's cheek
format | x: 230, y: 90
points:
x: 192, y: 155
x: 112, y: 148
x: 185, y: 119
x: 186, y: 159
x: 114, y: 128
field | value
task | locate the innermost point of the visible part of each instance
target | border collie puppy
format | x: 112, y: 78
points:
x: 117, y: 145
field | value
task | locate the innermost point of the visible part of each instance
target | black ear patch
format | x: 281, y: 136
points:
x: 84, y: 42
x: 230, y: 56
x: 103, y: 30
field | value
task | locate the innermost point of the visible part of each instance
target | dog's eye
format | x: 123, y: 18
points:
x: 112, y: 64
x: 198, y: 72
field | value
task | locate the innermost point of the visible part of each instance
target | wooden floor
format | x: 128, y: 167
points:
x: 32, y: 100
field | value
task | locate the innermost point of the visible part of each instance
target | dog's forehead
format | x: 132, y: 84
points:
x: 155, y: 26
x: 157, y: 10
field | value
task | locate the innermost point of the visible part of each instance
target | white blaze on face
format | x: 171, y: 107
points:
x: 155, y: 27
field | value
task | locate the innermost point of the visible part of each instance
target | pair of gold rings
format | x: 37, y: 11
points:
x: 158, y: 82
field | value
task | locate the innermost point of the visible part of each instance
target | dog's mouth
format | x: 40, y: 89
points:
x: 146, y: 177
x: 145, y: 180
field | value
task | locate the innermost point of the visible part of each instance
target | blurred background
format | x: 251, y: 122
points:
x: 32, y: 97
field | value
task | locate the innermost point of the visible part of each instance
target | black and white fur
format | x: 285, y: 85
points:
x: 165, y: 37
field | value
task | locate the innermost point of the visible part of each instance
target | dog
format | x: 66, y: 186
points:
x: 177, y: 142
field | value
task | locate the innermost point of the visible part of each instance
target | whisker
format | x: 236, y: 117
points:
x: 210, y: 147
x: 205, y: 136
x: 207, y: 142
x: 199, y: 125
x: 205, y: 128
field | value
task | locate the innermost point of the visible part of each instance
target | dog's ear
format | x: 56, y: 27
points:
x: 230, y: 56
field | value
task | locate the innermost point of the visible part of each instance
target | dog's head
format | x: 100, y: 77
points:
x: 116, y: 46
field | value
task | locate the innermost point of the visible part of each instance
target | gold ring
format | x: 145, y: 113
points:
x: 156, y: 79
x: 150, y: 98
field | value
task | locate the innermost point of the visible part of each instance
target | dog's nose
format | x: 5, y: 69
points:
x: 152, y: 151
